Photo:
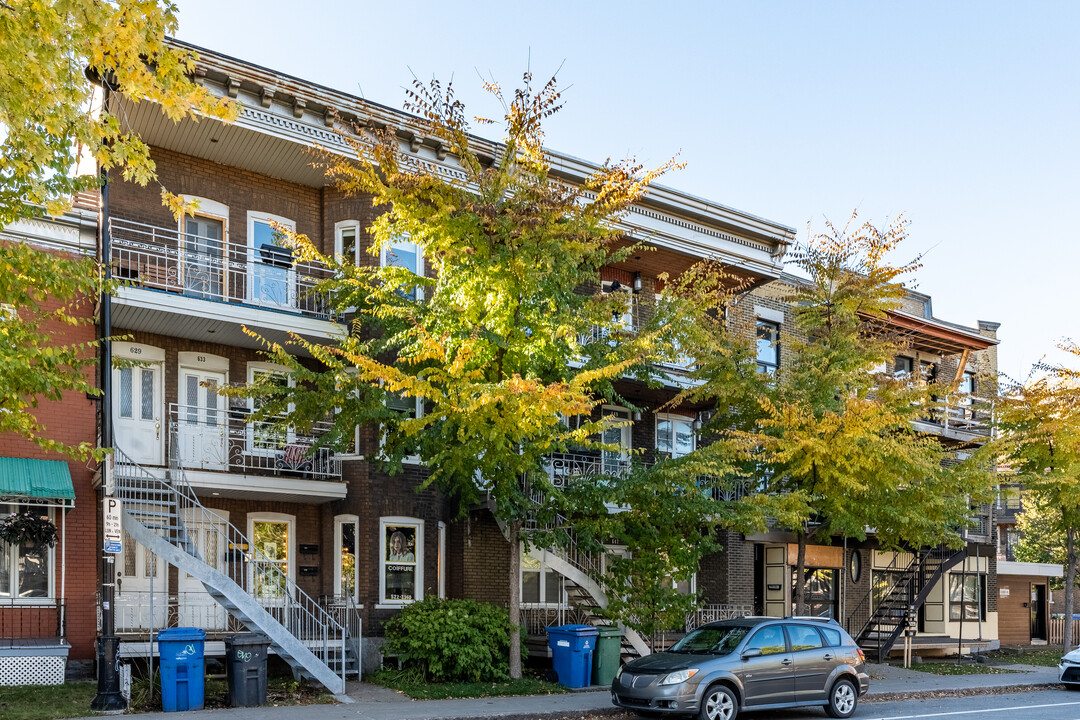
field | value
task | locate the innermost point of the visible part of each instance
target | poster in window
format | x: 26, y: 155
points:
x: 400, y: 562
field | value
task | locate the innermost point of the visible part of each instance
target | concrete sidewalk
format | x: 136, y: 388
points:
x: 371, y: 702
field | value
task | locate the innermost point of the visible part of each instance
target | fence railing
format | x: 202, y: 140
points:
x: 204, y: 438
x: 536, y: 619
x: 140, y: 611
x: 164, y: 258
x: 23, y: 620
x: 259, y: 569
x: 1055, y: 628
x: 713, y: 613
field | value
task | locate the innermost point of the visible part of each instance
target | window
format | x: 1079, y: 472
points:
x: 274, y: 546
x: 272, y: 277
x: 967, y: 384
x: 616, y: 432
x: 409, y: 408
x: 25, y: 571
x: 625, y: 319
x: 401, y: 549
x: 770, y: 640
x: 967, y: 594
x: 674, y: 435
x: 539, y: 583
x: 903, y: 367
x: 347, y: 241
x: 820, y: 592
x: 831, y: 635
x: 404, y: 253
x: 768, y: 346
x: 803, y: 637
x: 345, y: 534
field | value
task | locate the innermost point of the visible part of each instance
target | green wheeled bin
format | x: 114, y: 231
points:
x: 608, y: 654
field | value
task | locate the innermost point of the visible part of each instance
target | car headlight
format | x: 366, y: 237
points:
x: 679, y: 676
x: 618, y: 673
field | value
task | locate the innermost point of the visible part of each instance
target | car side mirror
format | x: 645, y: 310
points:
x: 751, y: 653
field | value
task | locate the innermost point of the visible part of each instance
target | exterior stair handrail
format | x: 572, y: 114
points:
x: 245, y: 566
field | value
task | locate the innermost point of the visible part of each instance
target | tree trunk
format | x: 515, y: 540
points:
x: 799, y: 591
x: 1070, y: 585
x: 515, y: 599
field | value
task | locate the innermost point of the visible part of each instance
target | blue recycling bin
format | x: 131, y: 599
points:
x: 572, y: 653
x: 180, y: 653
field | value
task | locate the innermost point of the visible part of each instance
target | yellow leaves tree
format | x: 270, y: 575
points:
x: 500, y: 341
x: 53, y: 55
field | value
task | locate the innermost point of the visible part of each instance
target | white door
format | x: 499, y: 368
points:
x: 137, y: 412
x: 202, y: 425
x: 195, y: 607
x: 142, y: 593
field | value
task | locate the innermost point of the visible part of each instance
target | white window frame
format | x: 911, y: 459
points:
x: 442, y: 560
x: 10, y: 556
x: 290, y: 434
x: 765, y: 367
x: 339, y: 522
x: 541, y: 585
x: 291, y: 560
x: 339, y: 241
x: 254, y: 216
x: 672, y: 418
x: 627, y: 435
x: 418, y: 525
x: 404, y: 241
x: 408, y: 459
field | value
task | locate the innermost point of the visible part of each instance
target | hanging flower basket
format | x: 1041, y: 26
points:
x: 27, y: 526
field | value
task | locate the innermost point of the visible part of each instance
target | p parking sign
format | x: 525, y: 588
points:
x: 114, y: 532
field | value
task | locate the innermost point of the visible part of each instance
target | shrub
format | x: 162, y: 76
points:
x: 449, y: 640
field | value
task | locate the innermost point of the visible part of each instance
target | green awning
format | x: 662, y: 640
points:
x: 23, y: 479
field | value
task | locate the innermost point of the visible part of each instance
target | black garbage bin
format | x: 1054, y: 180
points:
x: 245, y: 668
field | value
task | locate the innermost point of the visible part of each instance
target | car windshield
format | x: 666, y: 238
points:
x: 712, y: 640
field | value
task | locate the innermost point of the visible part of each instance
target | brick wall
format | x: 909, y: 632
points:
x: 72, y: 420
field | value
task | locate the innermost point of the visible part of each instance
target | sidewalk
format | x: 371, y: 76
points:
x: 371, y: 702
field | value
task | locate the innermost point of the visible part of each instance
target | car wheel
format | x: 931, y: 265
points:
x: 842, y: 699
x: 718, y: 703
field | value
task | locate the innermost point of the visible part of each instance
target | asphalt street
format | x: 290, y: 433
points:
x: 1040, y: 705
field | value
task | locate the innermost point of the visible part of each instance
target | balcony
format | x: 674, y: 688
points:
x: 961, y: 418
x: 222, y: 451
x: 219, y: 286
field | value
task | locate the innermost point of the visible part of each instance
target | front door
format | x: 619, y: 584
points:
x: 142, y: 597
x: 270, y: 565
x: 209, y: 536
x: 1037, y: 607
x: 201, y: 251
x: 202, y: 427
x: 137, y: 412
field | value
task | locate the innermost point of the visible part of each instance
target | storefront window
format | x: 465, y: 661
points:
x: 820, y: 592
x: 402, y: 550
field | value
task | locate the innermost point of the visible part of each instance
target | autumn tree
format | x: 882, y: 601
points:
x: 53, y: 57
x: 828, y: 439
x: 1039, y: 439
x: 501, y: 341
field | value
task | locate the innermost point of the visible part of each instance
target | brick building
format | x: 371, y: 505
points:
x: 47, y: 595
x: 230, y: 522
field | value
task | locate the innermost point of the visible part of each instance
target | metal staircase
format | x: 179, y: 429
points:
x: 157, y: 514
x: 909, y: 586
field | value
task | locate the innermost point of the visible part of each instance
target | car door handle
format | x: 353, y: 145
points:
x: 827, y: 656
x: 785, y: 661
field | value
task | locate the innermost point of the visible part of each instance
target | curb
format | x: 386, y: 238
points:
x: 958, y: 692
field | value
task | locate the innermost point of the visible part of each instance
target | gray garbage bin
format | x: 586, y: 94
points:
x: 245, y: 669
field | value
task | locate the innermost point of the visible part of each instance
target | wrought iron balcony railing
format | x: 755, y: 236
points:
x: 167, y: 259
x: 205, y: 438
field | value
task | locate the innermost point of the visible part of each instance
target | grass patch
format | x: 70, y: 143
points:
x: 967, y: 668
x: 412, y: 684
x: 1043, y: 657
x: 47, y: 702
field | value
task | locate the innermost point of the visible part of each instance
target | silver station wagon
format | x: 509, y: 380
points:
x: 753, y: 663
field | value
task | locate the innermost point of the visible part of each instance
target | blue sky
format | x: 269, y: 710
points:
x: 961, y: 115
